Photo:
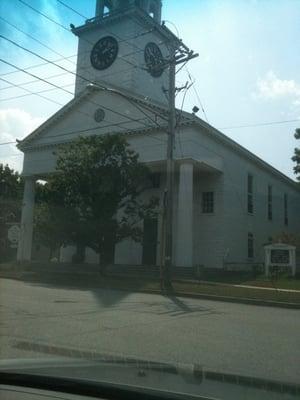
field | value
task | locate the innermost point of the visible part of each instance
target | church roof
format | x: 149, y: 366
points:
x: 145, y: 104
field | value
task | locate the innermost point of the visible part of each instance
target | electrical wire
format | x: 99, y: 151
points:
x: 107, y: 31
x: 59, y: 87
x: 287, y: 121
x: 32, y: 93
x: 31, y: 82
x: 72, y: 9
x: 68, y: 30
x: 56, y: 76
x: 7, y: 143
x: 62, y: 68
x: 87, y: 130
x: 54, y: 101
x: 37, y: 65
x: 36, y: 40
x: 197, y: 95
x: 65, y: 28
x: 35, y: 93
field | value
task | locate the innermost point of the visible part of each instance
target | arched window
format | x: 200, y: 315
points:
x: 108, y: 7
x: 153, y: 10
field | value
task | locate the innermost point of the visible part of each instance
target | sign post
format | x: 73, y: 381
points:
x: 13, y: 234
x: 280, y: 256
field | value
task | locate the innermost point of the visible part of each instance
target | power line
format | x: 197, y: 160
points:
x: 74, y: 55
x: 64, y: 69
x: 33, y: 81
x: 37, y: 65
x: 36, y: 40
x: 31, y: 93
x: 44, y: 45
x: 7, y: 143
x: 39, y: 95
x: 72, y: 9
x: 20, y: 154
x: 118, y: 124
x: 56, y: 76
x: 44, y: 15
x: 197, y: 95
x: 60, y: 88
x: 109, y: 32
x: 46, y: 98
x: 34, y: 76
x: 68, y: 30
x: 287, y: 121
x: 56, y: 86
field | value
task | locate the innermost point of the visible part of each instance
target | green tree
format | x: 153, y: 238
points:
x: 296, y: 157
x: 11, y: 189
x: 94, y: 198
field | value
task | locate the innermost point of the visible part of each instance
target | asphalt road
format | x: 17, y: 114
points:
x: 236, y: 338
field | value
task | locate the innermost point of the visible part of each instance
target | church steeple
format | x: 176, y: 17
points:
x: 124, y: 47
x: 107, y: 7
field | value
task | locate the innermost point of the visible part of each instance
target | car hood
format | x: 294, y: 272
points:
x: 179, y: 379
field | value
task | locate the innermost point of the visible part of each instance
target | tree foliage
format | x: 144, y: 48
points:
x: 11, y: 189
x: 287, y: 238
x: 95, y: 196
x: 296, y: 157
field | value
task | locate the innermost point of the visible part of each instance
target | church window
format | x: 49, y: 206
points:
x: 270, y: 203
x: 250, y: 245
x: 152, y: 10
x: 107, y: 7
x: 208, y: 202
x: 99, y: 115
x: 250, y: 194
x: 286, y: 217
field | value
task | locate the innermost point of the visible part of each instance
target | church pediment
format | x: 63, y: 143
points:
x: 97, y: 111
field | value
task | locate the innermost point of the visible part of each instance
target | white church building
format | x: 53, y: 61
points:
x: 228, y: 203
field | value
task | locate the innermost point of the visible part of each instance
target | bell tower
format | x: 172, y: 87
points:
x: 151, y: 7
x: 124, y: 46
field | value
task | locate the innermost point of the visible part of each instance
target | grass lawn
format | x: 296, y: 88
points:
x: 181, y: 287
x: 284, y: 281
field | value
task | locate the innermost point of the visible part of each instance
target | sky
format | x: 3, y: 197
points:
x: 247, y: 72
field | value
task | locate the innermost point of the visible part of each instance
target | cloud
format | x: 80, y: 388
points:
x: 272, y: 87
x: 15, y: 124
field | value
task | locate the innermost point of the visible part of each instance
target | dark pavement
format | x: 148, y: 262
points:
x: 226, y: 337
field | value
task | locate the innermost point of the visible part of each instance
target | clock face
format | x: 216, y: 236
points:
x: 154, y: 59
x: 104, y: 53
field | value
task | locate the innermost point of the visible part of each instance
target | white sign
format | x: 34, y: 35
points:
x: 280, y: 255
x: 13, y: 235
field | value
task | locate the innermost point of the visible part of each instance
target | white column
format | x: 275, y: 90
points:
x: 25, y: 242
x: 184, y: 237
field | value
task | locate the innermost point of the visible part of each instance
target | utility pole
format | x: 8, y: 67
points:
x: 179, y: 56
x: 168, y: 261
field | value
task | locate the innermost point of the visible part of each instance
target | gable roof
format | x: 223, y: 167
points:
x: 145, y: 104
x: 227, y: 141
x: 142, y: 104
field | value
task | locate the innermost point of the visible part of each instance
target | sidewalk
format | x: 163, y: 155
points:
x: 268, y: 288
x: 193, y: 281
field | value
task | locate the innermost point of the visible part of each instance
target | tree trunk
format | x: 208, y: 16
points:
x: 79, y: 256
x: 50, y: 253
x: 102, y: 264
